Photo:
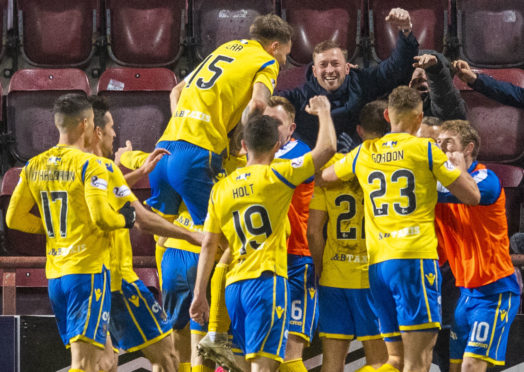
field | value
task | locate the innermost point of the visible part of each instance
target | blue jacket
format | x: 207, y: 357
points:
x: 501, y: 91
x: 360, y: 87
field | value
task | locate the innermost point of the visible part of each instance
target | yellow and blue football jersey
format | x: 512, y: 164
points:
x: 250, y: 208
x: 345, y: 259
x: 61, y: 180
x: 119, y: 193
x: 217, y: 92
x: 398, y: 174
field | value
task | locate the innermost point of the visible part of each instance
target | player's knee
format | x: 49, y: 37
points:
x: 474, y: 365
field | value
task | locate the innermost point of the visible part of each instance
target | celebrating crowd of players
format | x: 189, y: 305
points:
x: 294, y: 235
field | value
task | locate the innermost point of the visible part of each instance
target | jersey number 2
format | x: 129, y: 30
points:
x: 55, y: 195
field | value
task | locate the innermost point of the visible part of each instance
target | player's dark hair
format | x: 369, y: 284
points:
x: 70, y: 109
x: 327, y: 45
x: 372, y: 119
x: 432, y: 121
x: 275, y: 101
x: 71, y: 104
x: 261, y: 133
x: 269, y: 28
x: 100, y: 107
x: 404, y: 98
x: 465, y: 131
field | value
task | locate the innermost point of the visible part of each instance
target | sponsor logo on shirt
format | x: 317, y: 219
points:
x: 121, y: 191
x: 297, y: 162
x: 99, y: 183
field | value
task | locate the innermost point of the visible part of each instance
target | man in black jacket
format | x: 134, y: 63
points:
x: 432, y: 79
x: 347, y: 89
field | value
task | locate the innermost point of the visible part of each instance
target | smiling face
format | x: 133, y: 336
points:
x: 419, y: 81
x: 330, y: 68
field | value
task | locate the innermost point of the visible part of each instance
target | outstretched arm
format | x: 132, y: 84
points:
x: 199, y: 310
x: 327, y: 140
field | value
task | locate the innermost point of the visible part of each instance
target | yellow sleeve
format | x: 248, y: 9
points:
x: 133, y: 159
x: 295, y: 171
x: 119, y: 192
x: 318, y: 200
x: 344, y: 167
x: 443, y: 170
x: 95, y: 189
x: 212, y: 223
x: 19, y: 216
x: 268, y: 75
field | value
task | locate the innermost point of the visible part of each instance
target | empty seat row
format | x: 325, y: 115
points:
x: 62, y: 33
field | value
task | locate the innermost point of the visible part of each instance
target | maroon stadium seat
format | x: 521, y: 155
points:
x: 292, y: 77
x: 139, y: 103
x: 219, y: 21
x: 491, y: 33
x: 30, y: 100
x: 58, y: 33
x: 145, y: 33
x: 18, y: 243
x: 315, y: 21
x: 429, y: 18
x: 511, y: 178
x: 501, y: 127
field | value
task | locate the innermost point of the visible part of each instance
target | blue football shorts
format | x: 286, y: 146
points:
x: 179, y: 269
x: 137, y: 319
x: 303, y: 296
x: 406, y: 294
x: 258, y: 309
x: 347, y: 314
x: 81, y: 303
x: 187, y: 174
x: 481, y: 327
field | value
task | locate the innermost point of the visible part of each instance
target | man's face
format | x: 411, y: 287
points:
x: 330, y: 68
x: 89, y: 128
x: 419, y: 81
x: 428, y: 131
x: 286, y: 127
x: 108, y: 136
x: 281, y: 51
x: 450, y: 142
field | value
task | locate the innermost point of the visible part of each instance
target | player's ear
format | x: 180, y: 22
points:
x: 468, y: 150
x: 386, y: 115
x: 360, y: 131
x: 244, y: 147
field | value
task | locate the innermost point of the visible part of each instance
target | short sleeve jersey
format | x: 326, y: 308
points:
x: 250, y: 208
x: 345, y: 260
x: 398, y: 174
x: 217, y: 91
x: 60, y: 179
x: 119, y: 193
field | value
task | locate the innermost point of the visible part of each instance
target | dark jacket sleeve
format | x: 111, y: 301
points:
x: 446, y: 102
x: 393, y: 71
x: 501, y: 91
x: 295, y: 96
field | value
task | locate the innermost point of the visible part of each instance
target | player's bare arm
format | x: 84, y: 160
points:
x: 258, y: 102
x: 146, y: 168
x: 315, y: 237
x: 199, y: 310
x: 154, y: 224
x: 175, y: 95
x: 327, y: 140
